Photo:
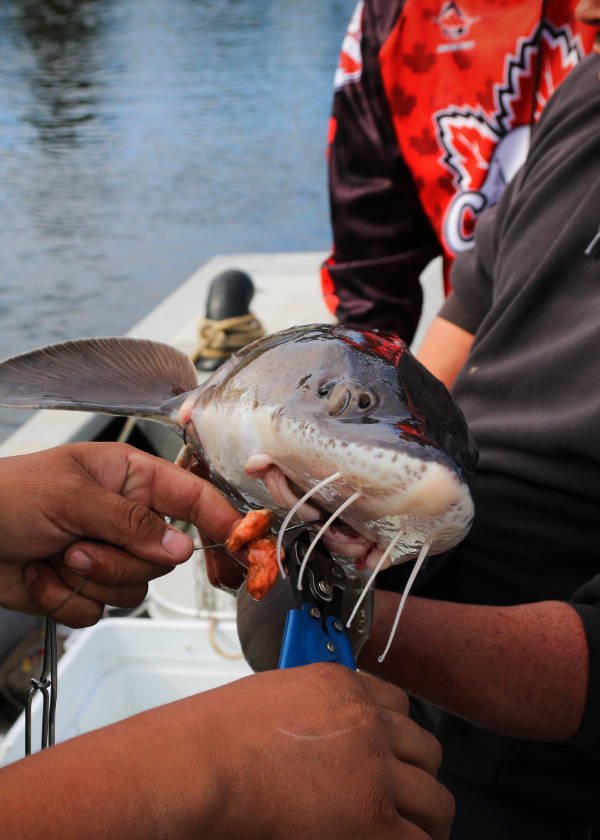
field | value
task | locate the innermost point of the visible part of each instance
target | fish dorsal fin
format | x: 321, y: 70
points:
x: 127, y: 376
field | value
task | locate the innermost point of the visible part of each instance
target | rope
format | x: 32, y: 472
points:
x: 219, y: 339
x: 212, y: 638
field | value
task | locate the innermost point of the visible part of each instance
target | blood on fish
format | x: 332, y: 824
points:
x: 388, y: 347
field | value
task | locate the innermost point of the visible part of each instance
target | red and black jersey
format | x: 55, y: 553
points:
x: 432, y: 112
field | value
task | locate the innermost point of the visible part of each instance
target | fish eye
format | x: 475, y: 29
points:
x: 364, y: 400
x: 325, y: 389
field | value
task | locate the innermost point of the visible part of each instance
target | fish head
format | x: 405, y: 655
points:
x: 351, y: 417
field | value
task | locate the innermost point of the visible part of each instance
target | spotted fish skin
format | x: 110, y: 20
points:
x: 283, y: 414
x: 312, y: 401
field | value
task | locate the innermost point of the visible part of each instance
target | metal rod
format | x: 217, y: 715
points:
x: 47, y: 685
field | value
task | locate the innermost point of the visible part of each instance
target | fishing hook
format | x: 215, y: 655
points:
x: 275, y: 534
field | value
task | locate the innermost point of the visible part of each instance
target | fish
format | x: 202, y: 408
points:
x: 341, y: 427
x: 328, y: 423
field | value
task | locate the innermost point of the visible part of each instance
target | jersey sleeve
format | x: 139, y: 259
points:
x: 382, y: 239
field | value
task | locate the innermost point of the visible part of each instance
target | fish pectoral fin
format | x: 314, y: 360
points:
x: 125, y: 376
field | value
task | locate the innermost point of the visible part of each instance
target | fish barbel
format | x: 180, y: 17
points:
x: 347, y: 419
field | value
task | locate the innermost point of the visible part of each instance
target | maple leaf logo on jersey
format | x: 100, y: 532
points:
x: 350, y: 62
x: 483, y: 150
x: 453, y: 22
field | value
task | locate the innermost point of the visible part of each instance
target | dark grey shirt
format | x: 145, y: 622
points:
x: 530, y: 291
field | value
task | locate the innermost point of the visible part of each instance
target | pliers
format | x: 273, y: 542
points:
x: 314, y: 630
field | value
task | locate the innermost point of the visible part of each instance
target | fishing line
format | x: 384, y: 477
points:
x: 293, y: 510
x: 374, y: 574
x: 418, y: 563
x: 320, y: 533
x: 289, y: 528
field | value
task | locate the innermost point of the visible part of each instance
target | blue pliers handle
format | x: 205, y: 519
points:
x: 309, y: 637
x: 314, y: 631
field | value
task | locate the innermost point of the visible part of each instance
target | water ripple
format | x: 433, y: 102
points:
x: 141, y: 137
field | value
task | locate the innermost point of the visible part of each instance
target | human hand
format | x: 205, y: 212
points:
x: 317, y: 751
x: 326, y: 751
x: 82, y: 527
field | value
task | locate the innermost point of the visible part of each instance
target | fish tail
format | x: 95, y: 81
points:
x: 125, y: 376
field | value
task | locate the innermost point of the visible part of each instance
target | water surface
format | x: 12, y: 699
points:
x: 139, y: 138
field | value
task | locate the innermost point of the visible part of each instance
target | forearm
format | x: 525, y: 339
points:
x: 522, y: 670
x: 445, y: 349
x: 230, y: 762
x: 126, y: 780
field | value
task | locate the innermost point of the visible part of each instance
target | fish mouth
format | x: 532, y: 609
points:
x: 339, y: 538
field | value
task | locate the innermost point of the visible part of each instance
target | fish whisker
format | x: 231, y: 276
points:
x: 293, y: 510
x: 320, y: 533
x: 374, y: 574
x: 418, y: 563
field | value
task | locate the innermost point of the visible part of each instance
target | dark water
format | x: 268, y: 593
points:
x: 138, y: 138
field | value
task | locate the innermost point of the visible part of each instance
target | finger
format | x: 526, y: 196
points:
x: 413, y: 744
x: 125, y: 596
x: 131, y: 488
x: 109, y: 565
x: 199, y: 468
x: 162, y: 486
x: 423, y: 800
x: 132, y: 526
x: 385, y: 694
x: 223, y: 570
x: 180, y: 494
x: 408, y: 830
x: 49, y: 595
